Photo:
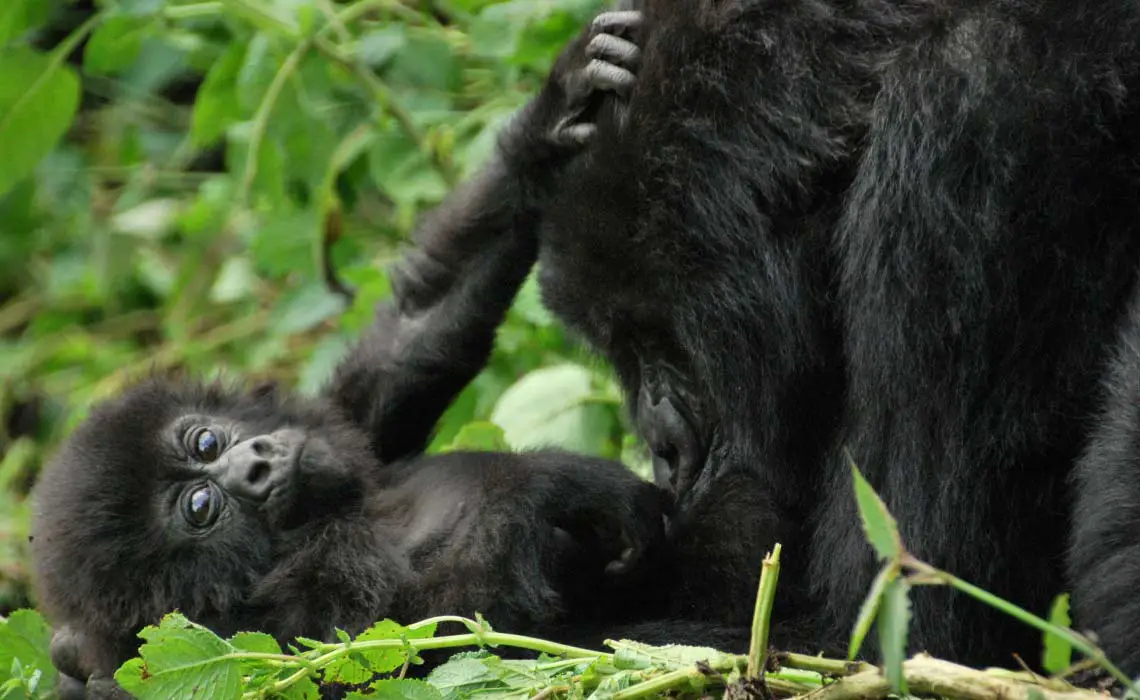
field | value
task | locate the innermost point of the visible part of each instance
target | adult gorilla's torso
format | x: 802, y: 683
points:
x: 867, y: 224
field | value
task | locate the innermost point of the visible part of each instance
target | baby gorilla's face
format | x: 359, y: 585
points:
x: 185, y: 496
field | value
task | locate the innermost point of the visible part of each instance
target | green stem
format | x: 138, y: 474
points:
x: 1079, y: 641
x: 193, y: 10
x: 762, y: 614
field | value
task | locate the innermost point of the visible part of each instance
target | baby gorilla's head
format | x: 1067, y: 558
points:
x: 184, y: 495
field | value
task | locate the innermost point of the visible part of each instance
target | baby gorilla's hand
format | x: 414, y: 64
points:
x: 600, y: 62
x: 606, y: 519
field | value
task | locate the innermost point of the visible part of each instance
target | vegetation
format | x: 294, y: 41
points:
x: 177, y: 174
x: 186, y: 185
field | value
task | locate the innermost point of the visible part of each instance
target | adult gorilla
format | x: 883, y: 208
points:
x: 910, y: 229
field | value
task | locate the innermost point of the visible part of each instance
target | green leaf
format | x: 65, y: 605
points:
x: 115, y: 44
x: 1058, y: 652
x: 399, y: 689
x: 555, y: 407
x: 480, y: 436
x: 217, y: 105
x: 257, y: 642
x: 322, y: 361
x: 672, y: 656
x: 181, y: 659
x: 461, y: 677
x: 426, y: 60
x: 362, y: 664
x: 18, y: 16
x: 881, y: 528
x: 868, y: 609
x: 39, y: 96
x: 893, y: 622
x: 24, y: 640
x: 377, y: 47
x: 305, y: 308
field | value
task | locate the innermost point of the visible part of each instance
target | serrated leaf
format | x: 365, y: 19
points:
x: 893, y: 623
x: 1058, y: 652
x: 115, y: 44
x: 868, y: 609
x: 480, y: 436
x: 257, y: 642
x: 363, y: 664
x: 181, y: 659
x: 461, y: 676
x: 39, y: 96
x: 555, y: 406
x: 399, y: 689
x: 878, y: 523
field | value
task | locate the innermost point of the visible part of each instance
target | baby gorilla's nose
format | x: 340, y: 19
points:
x: 253, y: 468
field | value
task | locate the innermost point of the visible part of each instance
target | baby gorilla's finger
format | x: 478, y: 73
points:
x: 615, y: 50
x: 622, y: 22
x: 642, y: 532
x: 606, y: 76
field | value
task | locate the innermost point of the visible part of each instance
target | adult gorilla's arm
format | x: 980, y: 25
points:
x: 452, y: 291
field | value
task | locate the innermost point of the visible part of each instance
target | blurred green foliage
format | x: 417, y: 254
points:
x: 175, y: 176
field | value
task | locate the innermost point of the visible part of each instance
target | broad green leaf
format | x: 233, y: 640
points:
x: 24, y: 640
x: 893, y: 623
x: 377, y: 47
x: 555, y: 407
x: 18, y: 16
x: 480, y: 436
x: 1058, y: 652
x: 305, y: 308
x: 426, y: 60
x: 115, y: 44
x: 39, y: 95
x: 878, y: 523
x: 322, y: 361
x: 180, y: 658
x: 868, y: 609
x: 235, y: 281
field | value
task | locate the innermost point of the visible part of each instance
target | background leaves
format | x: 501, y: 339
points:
x: 176, y: 175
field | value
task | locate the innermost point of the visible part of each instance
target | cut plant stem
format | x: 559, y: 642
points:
x: 762, y: 615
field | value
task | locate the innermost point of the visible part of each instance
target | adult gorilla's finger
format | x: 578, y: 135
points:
x: 616, y: 50
x: 620, y: 22
x: 642, y: 529
x: 606, y: 76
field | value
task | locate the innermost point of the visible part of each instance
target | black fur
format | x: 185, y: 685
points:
x: 324, y: 512
x: 907, y: 228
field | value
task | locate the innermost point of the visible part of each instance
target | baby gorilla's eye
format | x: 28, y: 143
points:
x: 205, y: 445
x: 201, y: 507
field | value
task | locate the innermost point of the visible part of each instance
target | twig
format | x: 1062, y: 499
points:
x: 929, y: 676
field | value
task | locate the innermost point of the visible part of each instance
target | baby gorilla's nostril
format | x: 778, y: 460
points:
x: 260, y: 447
x: 258, y: 472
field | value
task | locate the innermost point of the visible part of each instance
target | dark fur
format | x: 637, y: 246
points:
x: 908, y: 228
x: 358, y: 526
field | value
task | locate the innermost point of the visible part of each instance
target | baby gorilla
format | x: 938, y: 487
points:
x: 256, y: 510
